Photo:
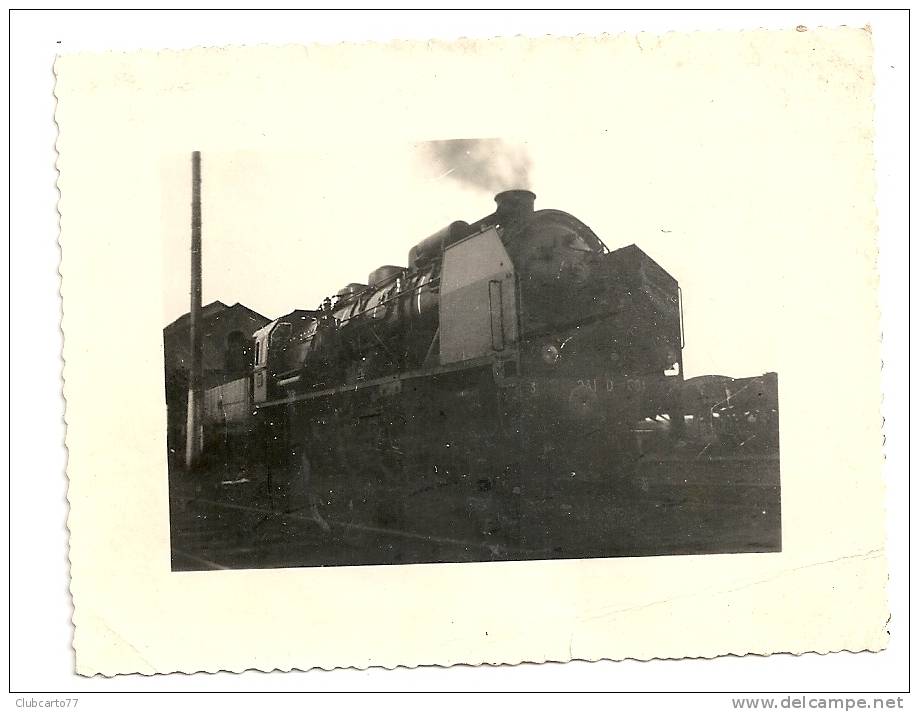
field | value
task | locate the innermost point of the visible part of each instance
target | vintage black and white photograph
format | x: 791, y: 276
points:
x: 481, y: 351
x: 509, y: 384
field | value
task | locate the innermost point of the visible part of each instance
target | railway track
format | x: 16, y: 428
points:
x: 226, y: 535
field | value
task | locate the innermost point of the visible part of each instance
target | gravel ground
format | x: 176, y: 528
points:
x: 665, y: 507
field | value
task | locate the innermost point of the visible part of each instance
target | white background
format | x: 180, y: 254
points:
x: 41, y: 657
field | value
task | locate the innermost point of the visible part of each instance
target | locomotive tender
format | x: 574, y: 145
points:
x: 482, y: 390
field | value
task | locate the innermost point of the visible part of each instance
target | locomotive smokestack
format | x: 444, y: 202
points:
x: 514, y: 205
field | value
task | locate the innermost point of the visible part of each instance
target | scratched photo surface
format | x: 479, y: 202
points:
x: 472, y: 372
x: 430, y: 353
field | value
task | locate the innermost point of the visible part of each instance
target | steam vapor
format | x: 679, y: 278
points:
x: 488, y: 164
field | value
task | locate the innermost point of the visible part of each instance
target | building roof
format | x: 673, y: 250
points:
x: 212, y: 311
x: 218, y: 320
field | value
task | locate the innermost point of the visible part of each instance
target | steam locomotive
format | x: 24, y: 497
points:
x: 481, y: 391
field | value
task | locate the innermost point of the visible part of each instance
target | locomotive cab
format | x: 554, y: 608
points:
x: 260, y: 363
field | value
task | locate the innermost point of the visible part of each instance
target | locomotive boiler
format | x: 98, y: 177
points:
x: 485, y: 389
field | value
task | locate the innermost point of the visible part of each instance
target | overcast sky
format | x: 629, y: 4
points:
x: 734, y: 179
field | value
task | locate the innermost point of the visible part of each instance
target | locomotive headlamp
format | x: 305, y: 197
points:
x: 550, y: 353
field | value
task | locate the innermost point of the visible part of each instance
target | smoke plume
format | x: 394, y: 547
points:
x: 489, y: 164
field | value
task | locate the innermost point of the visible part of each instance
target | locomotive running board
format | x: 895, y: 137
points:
x: 389, y: 380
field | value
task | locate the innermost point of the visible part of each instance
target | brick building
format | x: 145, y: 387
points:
x: 226, y: 344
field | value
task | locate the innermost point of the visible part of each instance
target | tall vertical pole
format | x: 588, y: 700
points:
x: 194, y: 434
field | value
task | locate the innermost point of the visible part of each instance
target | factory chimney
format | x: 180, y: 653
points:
x: 194, y: 431
x: 514, y: 205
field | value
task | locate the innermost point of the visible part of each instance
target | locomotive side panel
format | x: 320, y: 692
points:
x: 478, y: 314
